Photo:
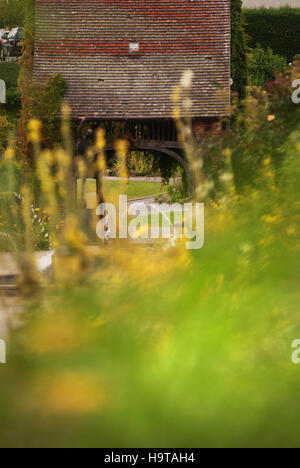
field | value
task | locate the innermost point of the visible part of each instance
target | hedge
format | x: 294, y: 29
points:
x: 275, y: 28
x: 9, y: 72
x: 239, y: 72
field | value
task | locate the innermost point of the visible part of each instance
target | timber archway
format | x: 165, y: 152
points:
x: 146, y: 135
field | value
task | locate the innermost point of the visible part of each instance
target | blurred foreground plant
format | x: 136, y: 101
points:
x: 158, y: 346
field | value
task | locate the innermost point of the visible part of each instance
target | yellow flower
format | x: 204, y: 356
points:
x: 187, y: 78
x: 82, y: 169
x: 34, y: 136
x: 176, y: 113
x: 72, y: 392
x: 272, y: 219
x: 291, y: 231
x: 9, y: 154
x: 121, y: 147
x: 139, y: 232
x: 100, y: 139
x: 271, y: 117
x: 267, y: 161
x: 176, y: 94
x: 227, y: 153
x: 34, y: 125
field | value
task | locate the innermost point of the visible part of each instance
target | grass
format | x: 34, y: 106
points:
x: 134, y: 189
x: 158, y: 346
x: 168, y: 349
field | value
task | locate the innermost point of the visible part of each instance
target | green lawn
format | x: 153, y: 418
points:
x: 134, y: 189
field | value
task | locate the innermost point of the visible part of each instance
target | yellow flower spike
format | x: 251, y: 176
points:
x: 176, y: 94
x: 121, y: 147
x: 82, y: 169
x: 34, y: 136
x: 71, y: 393
x: 291, y: 231
x: 276, y: 219
x: 100, y: 139
x: 48, y: 157
x: 34, y: 125
x: 267, y: 162
x: 139, y: 232
x: 90, y: 154
x: 9, y: 154
x: 187, y: 78
x: 187, y: 104
x: 176, y: 113
x: 74, y: 237
x: 101, y: 164
x: 66, y: 110
x: 227, y: 153
x: 63, y: 158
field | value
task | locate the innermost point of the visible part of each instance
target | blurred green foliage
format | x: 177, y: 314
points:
x: 43, y: 102
x: 159, y: 346
x: 263, y: 65
x: 5, y: 129
x: 163, y: 347
x: 260, y: 130
x: 197, y: 357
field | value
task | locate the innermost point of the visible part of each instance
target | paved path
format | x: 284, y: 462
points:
x: 136, y: 179
x: 10, y: 303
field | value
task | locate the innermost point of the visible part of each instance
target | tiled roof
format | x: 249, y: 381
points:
x: 87, y: 41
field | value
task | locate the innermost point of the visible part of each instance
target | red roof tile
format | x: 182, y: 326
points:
x: 87, y: 41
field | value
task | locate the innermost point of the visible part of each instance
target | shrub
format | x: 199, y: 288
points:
x: 268, y: 118
x: 13, y: 99
x: 5, y: 128
x: 263, y: 64
x: 9, y: 169
x: 9, y: 72
x: 45, y: 103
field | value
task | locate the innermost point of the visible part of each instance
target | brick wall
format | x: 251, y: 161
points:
x: 87, y: 41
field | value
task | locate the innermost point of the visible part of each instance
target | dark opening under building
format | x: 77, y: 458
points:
x: 122, y: 58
